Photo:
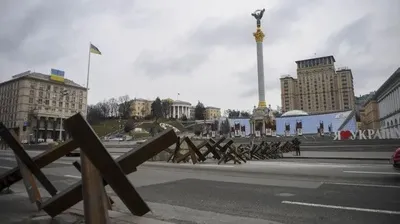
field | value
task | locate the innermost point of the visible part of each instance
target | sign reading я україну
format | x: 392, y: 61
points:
x: 369, y: 134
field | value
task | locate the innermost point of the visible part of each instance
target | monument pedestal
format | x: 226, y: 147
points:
x: 261, y: 119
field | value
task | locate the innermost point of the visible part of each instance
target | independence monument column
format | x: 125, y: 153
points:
x: 259, y: 36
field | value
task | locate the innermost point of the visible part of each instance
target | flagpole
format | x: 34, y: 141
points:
x: 95, y: 206
x: 87, y: 83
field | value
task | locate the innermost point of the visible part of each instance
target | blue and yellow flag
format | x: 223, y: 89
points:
x: 57, y: 75
x: 94, y: 49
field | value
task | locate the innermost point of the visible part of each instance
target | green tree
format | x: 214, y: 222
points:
x: 166, y: 107
x: 95, y: 114
x: 199, y: 111
x: 245, y: 114
x: 184, y: 118
x: 225, y: 127
x: 233, y: 113
x: 276, y: 113
x: 156, y: 108
x: 124, y: 106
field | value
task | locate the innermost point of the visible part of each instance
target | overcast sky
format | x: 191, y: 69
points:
x: 202, y: 49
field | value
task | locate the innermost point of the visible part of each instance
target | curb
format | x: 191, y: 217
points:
x: 336, y: 158
x: 223, y: 167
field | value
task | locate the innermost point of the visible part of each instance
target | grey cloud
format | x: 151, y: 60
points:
x: 364, y: 41
x: 37, y: 32
x: 249, y: 80
x: 249, y: 92
x: 238, y: 31
x: 155, y: 66
x: 354, y: 35
x: 233, y: 33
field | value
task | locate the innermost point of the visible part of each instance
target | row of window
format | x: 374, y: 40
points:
x: 315, y: 62
x: 10, y: 87
x: 54, y: 88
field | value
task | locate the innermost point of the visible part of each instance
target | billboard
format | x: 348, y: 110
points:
x: 57, y: 75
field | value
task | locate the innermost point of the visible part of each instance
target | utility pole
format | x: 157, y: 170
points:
x: 63, y: 93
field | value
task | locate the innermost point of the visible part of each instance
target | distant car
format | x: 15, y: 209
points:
x: 395, y: 160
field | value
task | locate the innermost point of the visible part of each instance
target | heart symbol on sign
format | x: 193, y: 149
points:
x: 345, y: 134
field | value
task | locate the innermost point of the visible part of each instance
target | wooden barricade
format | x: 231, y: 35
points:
x: 232, y: 154
x: 193, y: 151
x: 26, y: 165
x: 113, y: 172
x: 14, y: 175
x: 212, y: 147
x: 176, y: 152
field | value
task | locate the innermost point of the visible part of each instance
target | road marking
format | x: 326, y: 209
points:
x: 216, y: 165
x: 371, y: 172
x: 364, y: 185
x: 66, y: 163
x: 293, y: 164
x: 5, y: 167
x: 343, y: 207
x: 72, y: 176
x: 56, y: 162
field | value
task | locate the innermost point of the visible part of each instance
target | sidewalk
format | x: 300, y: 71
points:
x: 354, y: 155
x: 17, y: 209
x: 340, y: 155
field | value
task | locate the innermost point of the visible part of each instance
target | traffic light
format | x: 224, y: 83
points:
x: 24, y: 128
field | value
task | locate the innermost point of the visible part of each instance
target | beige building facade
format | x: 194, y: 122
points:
x: 141, y: 107
x: 212, y: 113
x: 369, y: 115
x: 318, y: 88
x: 33, y: 105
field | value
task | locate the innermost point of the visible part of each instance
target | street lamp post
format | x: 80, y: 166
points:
x: 63, y: 93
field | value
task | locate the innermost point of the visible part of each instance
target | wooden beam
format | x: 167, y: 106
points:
x: 30, y: 184
x: 101, y: 159
x: 128, y: 163
x: 11, y: 139
x: 14, y: 175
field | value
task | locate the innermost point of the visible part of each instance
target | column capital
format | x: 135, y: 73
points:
x: 259, y: 35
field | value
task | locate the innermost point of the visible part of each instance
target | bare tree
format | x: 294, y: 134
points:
x: 105, y: 108
x: 113, y: 103
x: 124, y: 106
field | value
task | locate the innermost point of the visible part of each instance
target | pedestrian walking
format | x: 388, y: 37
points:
x: 296, y: 143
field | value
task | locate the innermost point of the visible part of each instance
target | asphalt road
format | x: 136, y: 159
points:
x: 286, y: 191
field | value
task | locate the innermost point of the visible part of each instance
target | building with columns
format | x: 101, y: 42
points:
x: 33, y: 104
x: 388, y: 99
x: 180, y: 108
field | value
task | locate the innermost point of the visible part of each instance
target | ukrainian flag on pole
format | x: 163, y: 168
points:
x: 94, y: 49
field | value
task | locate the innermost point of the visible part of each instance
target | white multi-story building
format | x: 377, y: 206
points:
x: 388, y: 98
x: 32, y: 104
